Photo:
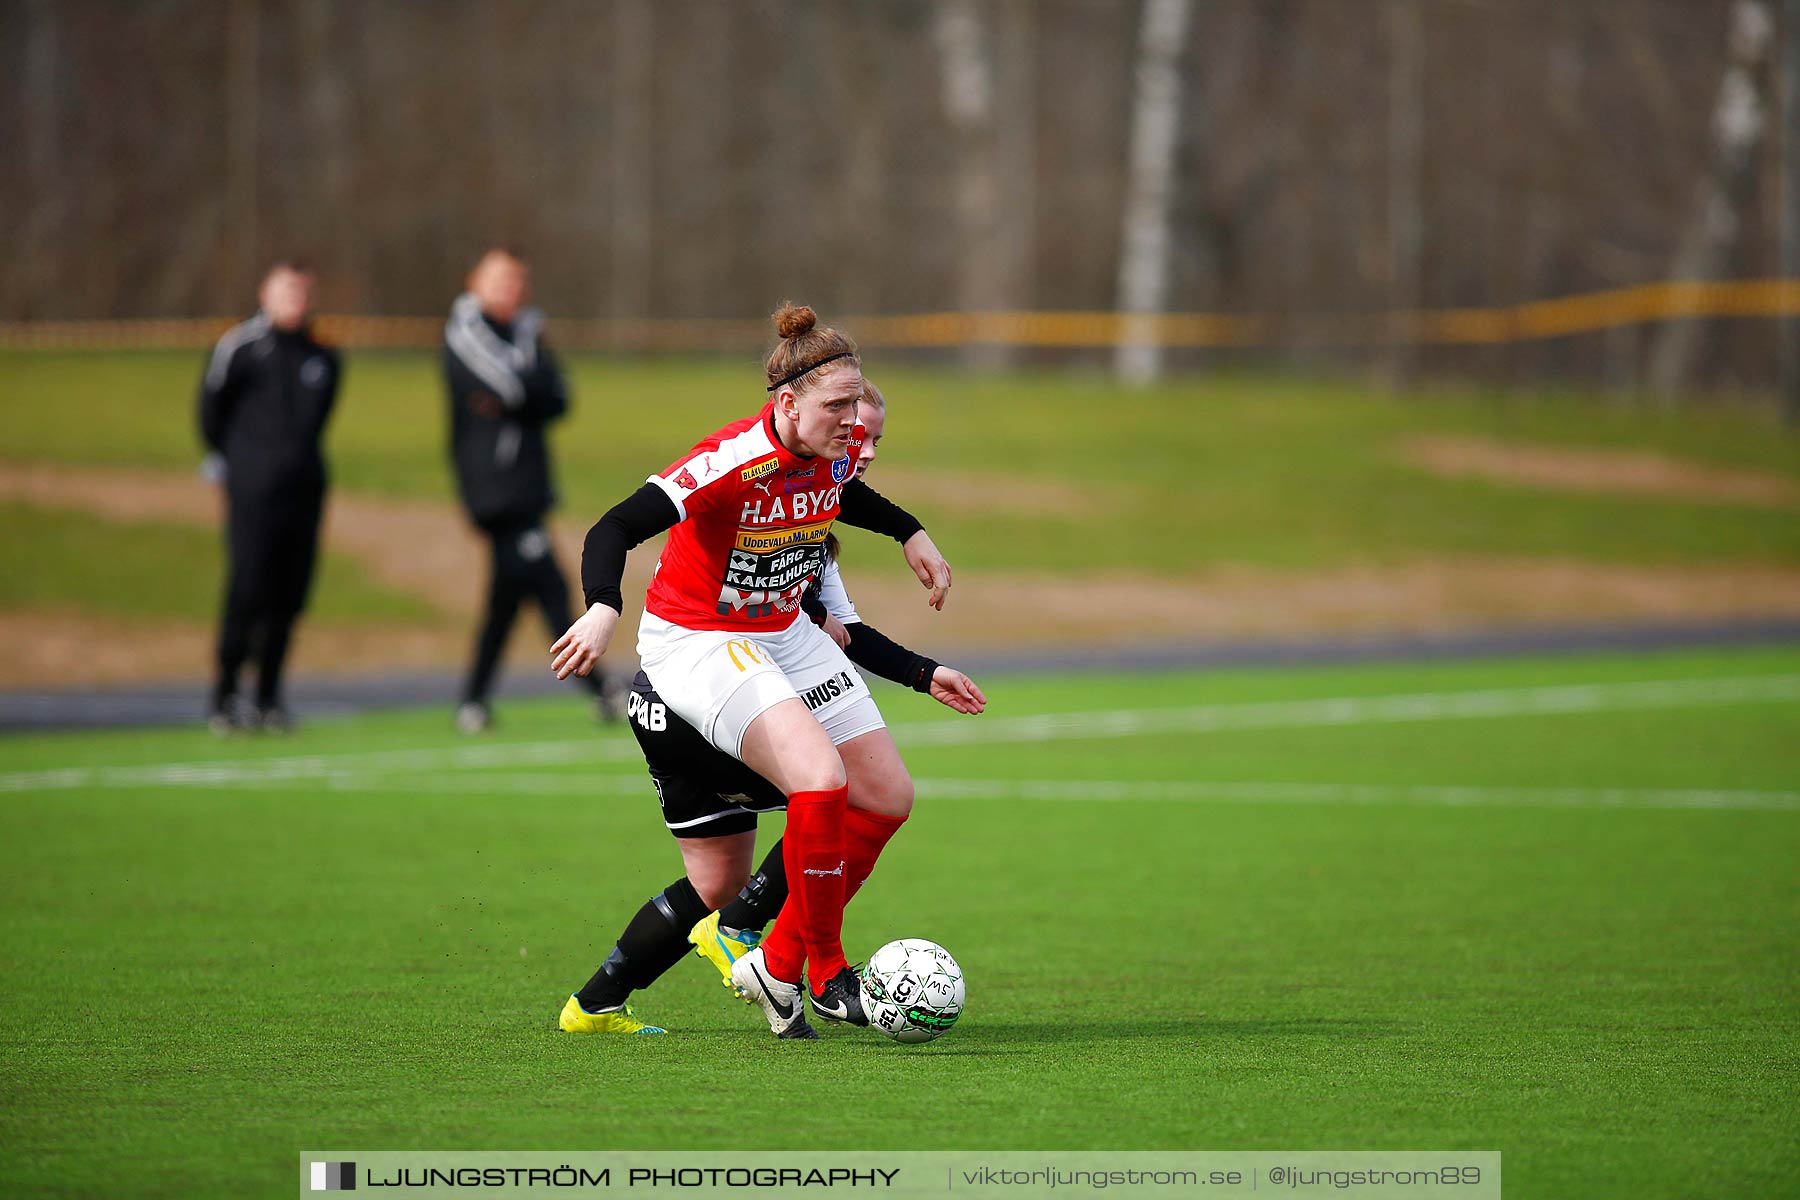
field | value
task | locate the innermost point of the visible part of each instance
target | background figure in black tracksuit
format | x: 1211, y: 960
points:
x: 266, y: 396
x: 505, y: 388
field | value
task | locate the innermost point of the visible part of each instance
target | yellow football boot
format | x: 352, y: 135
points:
x: 618, y: 1020
x: 720, y: 949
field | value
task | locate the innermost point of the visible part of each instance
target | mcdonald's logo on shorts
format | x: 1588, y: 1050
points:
x: 750, y: 652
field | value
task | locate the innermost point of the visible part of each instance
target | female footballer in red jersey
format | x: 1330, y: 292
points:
x: 723, y: 642
x: 710, y: 803
x: 724, y: 936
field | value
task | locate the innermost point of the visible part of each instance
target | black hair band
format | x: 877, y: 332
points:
x: 803, y: 370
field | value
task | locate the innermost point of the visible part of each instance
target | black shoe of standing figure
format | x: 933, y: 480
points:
x: 226, y: 715
x: 273, y: 718
x: 473, y: 717
x: 608, y: 705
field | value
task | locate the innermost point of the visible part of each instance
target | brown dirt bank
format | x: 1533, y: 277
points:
x: 1618, y: 472
x: 426, y: 549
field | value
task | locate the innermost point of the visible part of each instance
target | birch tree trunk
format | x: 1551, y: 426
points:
x: 1739, y: 117
x: 47, y: 185
x: 1789, y: 344
x: 1145, y: 243
x: 242, y: 90
x: 333, y: 142
x: 1406, y: 81
x: 629, y: 177
x: 966, y: 59
x: 1016, y: 152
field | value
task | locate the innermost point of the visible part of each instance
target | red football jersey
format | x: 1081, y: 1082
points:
x: 752, y: 532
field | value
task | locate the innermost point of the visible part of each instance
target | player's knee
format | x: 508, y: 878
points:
x: 822, y: 777
x: 897, y: 795
x: 890, y: 794
x: 719, y: 891
x: 903, y: 797
x: 820, y: 771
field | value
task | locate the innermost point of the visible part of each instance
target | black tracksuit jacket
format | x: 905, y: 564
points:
x: 505, y: 387
x: 264, y: 402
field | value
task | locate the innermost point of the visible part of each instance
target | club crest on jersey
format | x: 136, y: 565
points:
x: 765, y: 467
x: 686, y: 479
x: 840, y: 470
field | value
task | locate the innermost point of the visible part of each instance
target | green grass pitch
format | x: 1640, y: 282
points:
x: 1547, y: 907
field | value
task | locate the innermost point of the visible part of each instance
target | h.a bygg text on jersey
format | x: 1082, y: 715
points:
x: 754, y: 517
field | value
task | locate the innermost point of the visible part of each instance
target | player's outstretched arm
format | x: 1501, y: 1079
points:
x: 578, y: 651
x: 874, y: 651
x: 953, y: 689
x: 633, y: 520
x: 865, y: 508
x: 931, y: 568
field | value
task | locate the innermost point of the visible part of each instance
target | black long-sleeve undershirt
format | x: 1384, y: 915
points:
x: 864, y: 507
x: 629, y: 523
x: 871, y: 648
x: 649, y: 511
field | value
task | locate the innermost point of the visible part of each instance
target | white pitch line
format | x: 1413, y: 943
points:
x: 1435, y: 796
x: 318, y: 766
x: 1363, y: 710
x: 636, y: 784
x: 1567, y: 699
x: 1188, y: 791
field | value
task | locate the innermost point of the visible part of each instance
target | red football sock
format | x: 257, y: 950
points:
x: 865, y: 834
x: 811, y: 923
x: 783, y: 951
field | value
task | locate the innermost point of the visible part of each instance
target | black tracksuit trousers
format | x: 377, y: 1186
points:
x: 273, y: 546
x: 524, y: 568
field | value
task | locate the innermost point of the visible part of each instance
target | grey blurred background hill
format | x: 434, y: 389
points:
x: 1349, y: 157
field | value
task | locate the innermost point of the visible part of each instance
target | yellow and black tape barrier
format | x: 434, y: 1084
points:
x: 1562, y: 316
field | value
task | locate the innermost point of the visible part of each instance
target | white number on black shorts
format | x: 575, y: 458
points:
x: 653, y: 717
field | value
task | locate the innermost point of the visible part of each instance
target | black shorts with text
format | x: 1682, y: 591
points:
x: 704, y: 791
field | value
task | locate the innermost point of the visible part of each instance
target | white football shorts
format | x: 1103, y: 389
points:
x: 720, y: 680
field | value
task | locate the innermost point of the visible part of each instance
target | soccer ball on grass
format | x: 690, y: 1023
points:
x: 912, y: 990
